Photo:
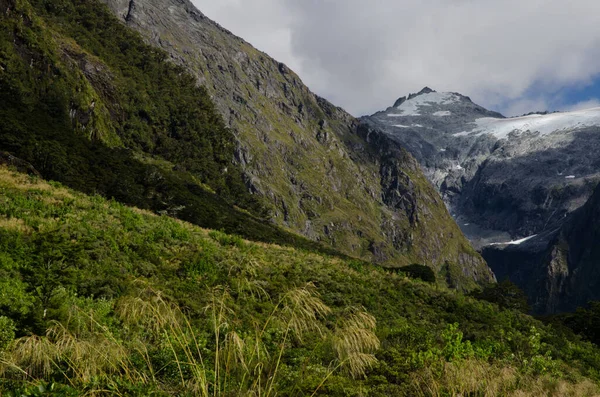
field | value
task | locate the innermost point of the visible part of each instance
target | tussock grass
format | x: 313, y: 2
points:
x: 239, y: 362
x: 355, y: 342
x: 480, y: 378
x: 14, y: 224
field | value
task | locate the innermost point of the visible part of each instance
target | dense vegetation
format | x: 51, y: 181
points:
x: 99, y: 298
x: 85, y: 101
x: 585, y: 321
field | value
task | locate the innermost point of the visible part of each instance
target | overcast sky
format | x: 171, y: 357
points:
x: 514, y: 56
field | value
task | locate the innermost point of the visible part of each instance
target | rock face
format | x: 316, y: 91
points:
x: 519, y: 181
x: 560, y: 275
x: 501, y: 177
x: 324, y: 176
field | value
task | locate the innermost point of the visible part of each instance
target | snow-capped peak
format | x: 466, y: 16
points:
x: 426, y: 97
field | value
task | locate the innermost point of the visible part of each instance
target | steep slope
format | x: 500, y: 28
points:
x: 562, y: 275
x: 306, y: 157
x: 85, y: 101
x: 503, y: 178
x: 97, y: 298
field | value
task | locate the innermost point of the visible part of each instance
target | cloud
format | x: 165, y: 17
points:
x: 523, y: 106
x: 590, y: 103
x: 363, y: 55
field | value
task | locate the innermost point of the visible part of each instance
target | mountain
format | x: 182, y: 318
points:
x: 502, y: 178
x: 112, y: 157
x: 308, y: 160
x: 563, y: 274
x: 511, y: 183
x: 100, y: 298
x: 84, y: 101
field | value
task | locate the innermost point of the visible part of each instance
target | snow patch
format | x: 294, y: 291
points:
x: 412, y: 106
x: 442, y: 113
x: 516, y: 242
x: 408, y: 126
x: 570, y: 177
x: 394, y: 115
x: 442, y: 150
x: 459, y: 167
x: 544, y: 124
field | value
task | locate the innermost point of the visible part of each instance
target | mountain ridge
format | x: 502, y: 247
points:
x: 515, y: 184
x: 458, y: 140
x: 125, y: 278
x: 300, y: 153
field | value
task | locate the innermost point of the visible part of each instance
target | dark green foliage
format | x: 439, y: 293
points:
x: 7, y: 332
x: 417, y: 271
x: 584, y: 322
x: 506, y: 295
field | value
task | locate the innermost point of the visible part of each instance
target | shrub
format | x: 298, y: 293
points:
x: 420, y: 272
x: 506, y: 295
x: 7, y: 332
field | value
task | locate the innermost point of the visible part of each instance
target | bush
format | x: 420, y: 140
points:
x: 506, y: 295
x: 7, y: 332
x: 585, y: 322
x: 420, y: 272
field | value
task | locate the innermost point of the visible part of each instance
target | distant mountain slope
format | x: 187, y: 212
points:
x: 520, y: 181
x: 307, y: 159
x: 560, y: 275
x: 503, y: 178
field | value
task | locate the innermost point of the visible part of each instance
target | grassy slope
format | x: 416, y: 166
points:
x: 89, y: 272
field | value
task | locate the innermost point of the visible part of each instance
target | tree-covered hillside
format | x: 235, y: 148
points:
x: 100, y: 299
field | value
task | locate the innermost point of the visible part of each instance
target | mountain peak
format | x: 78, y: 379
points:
x: 425, y: 90
x: 401, y: 100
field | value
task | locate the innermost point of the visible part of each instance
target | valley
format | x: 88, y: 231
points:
x: 181, y: 215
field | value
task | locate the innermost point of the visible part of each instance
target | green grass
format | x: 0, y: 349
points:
x: 99, y: 298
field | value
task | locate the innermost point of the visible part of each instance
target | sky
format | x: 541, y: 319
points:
x: 513, y: 56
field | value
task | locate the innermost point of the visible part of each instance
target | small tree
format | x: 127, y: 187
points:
x: 506, y: 295
x: 585, y: 322
x: 421, y: 272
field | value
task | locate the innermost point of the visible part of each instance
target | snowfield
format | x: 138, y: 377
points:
x: 544, y: 124
x: 516, y: 242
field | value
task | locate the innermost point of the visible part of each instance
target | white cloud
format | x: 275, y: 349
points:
x: 523, y: 106
x: 590, y: 103
x: 362, y: 55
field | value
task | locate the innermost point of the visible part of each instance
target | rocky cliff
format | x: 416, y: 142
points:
x: 560, y: 275
x: 322, y: 175
x: 503, y: 178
